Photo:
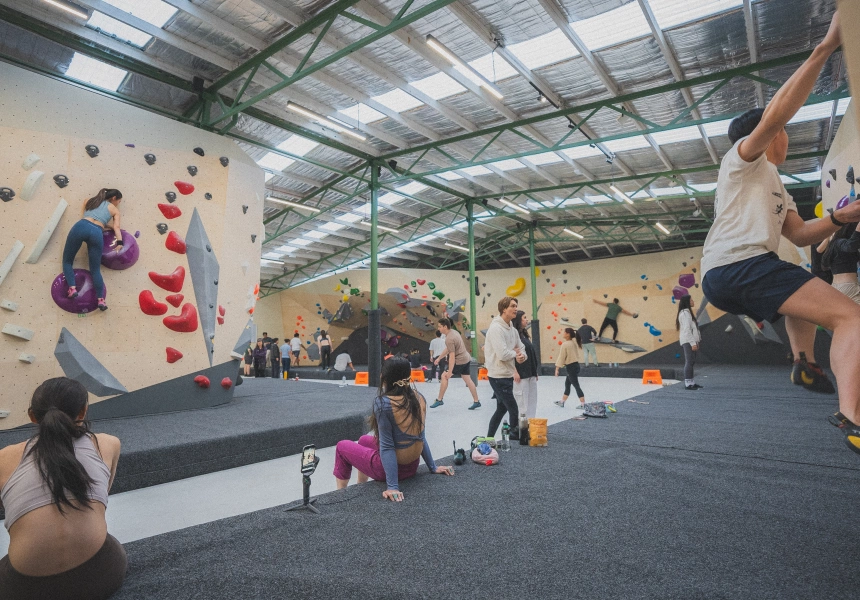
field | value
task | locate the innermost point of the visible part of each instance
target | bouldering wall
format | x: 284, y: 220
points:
x: 178, y: 291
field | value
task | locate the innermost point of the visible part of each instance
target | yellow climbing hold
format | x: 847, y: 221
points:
x: 516, y: 289
x: 337, y: 288
x: 537, y: 271
x: 819, y: 210
x: 346, y: 297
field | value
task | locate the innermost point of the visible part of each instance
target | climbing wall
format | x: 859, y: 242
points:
x: 177, y: 291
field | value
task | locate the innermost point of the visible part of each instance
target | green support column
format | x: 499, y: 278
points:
x: 473, y: 309
x: 374, y: 324
x: 532, y: 276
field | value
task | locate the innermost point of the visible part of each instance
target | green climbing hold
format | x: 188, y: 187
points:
x: 354, y: 291
x: 431, y: 285
x: 438, y: 294
x: 413, y: 284
x: 344, y: 281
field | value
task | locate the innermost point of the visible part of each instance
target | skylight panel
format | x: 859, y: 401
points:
x: 600, y: 198
x: 450, y: 176
x: 332, y: 226
x: 272, y: 255
x: 547, y: 49
x: 717, y: 128
x: 445, y: 231
x: 363, y: 210
x: 155, y: 12
x: 842, y: 106
x: 349, y: 218
x: 97, y: 73
x: 493, y: 67
x: 668, y: 191
x: 670, y: 13
x: 438, y: 86
x: 269, y: 176
x: 704, y: 187
x: 508, y: 165
x: 119, y: 29
x: 411, y: 188
x: 546, y: 158
x: 275, y: 162
x: 398, y: 100
x: 571, y: 202
x: 612, y: 27
x: 476, y: 170
x: 362, y: 113
x: 390, y: 198
x: 296, y: 144
x: 672, y: 136
x: 629, y: 143
x: 301, y: 243
x: 286, y: 249
x: 813, y: 112
x: 582, y: 152
x: 315, y: 235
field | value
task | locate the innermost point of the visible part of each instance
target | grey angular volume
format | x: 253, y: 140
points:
x: 248, y: 337
x: 204, y: 277
x: 78, y: 364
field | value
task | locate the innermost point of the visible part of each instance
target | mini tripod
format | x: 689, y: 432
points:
x: 307, y: 503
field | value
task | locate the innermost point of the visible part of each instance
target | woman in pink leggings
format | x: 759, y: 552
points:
x: 398, y: 420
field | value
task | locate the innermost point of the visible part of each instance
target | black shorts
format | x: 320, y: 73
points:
x: 296, y: 353
x: 463, y: 369
x: 756, y: 287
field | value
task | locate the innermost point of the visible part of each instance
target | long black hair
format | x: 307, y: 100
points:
x: 395, y: 380
x: 104, y: 195
x: 684, y: 304
x: 56, y: 406
x: 574, y: 335
x: 518, y: 324
x: 844, y: 232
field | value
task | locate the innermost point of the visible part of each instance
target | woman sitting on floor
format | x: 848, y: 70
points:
x: 398, y: 420
x: 54, y: 488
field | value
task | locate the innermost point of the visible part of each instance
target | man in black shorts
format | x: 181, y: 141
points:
x: 459, y: 363
x: 742, y: 273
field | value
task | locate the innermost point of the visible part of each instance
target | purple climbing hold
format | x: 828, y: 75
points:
x: 122, y: 257
x: 846, y: 200
x: 679, y: 292
x: 686, y: 280
x: 393, y: 341
x: 137, y: 234
x: 827, y: 183
x: 129, y: 145
x: 86, y: 301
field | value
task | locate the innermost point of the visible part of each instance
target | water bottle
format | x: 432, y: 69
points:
x: 524, y: 430
x: 506, y: 435
x: 343, y: 381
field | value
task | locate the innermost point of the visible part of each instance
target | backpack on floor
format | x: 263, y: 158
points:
x: 595, y: 409
x: 485, y: 455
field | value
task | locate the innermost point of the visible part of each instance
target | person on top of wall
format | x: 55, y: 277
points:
x: 398, y: 419
x: 324, y: 343
x: 528, y: 370
x: 689, y: 338
x: 249, y: 359
x: 275, y: 358
x: 568, y: 357
x: 285, y: 357
x: 742, y: 273
x: 437, y: 348
x: 459, y: 361
x: 587, y: 335
x: 96, y: 213
x: 296, y: 347
x: 260, y: 355
x: 54, y: 488
x: 613, y: 309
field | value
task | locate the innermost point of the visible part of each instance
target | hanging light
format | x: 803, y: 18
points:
x: 574, y: 234
x: 69, y: 7
x: 325, y: 121
x: 662, y: 228
x: 464, y: 68
x: 450, y: 245
x: 624, y: 196
x: 383, y: 227
x: 514, y: 206
x: 293, y: 204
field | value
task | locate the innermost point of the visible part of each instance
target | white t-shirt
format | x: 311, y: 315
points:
x: 437, y: 347
x: 341, y: 362
x: 296, y: 344
x: 751, y: 204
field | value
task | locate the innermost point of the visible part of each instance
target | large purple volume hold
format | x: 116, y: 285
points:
x: 87, y: 300
x: 119, y: 257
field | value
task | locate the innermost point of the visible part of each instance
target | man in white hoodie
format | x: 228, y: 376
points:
x: 502, y: 348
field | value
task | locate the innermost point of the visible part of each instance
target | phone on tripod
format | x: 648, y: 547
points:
x: 309, y: 464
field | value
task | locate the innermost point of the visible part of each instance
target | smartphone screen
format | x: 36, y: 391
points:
x: 308, y: 454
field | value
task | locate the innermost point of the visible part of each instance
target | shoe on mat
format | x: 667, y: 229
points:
x: 839, y: 420
x: 691, y: 387
x: 697, y: 386
x: 72, y: 293
x: 810, y: 376
x: 474, y: 406
x: 102, y: 305
x: 852, y: 438
x: 437, y: 404
x: 559, y: 403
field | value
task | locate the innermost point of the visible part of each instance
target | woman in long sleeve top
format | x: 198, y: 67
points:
x: 398, y: 420
x: 528, y: 370
x: 689, y: 338
x: 568, y: 358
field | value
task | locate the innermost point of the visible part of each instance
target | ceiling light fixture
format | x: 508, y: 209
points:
x: 450, y: 245
x: 383, y: 227
x: 324, y: 121
x: 293, y: 204
x: 662, y: 228
x: 69, y: 7
x: 269, y: 260
x: 514, y: 206
x: 574, y: 234
x: 624, y: 196
x: 463, y: 68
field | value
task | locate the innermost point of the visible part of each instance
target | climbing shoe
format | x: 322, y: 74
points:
x: 437, y: 404
x: 72, y: 293
x: 811, y: 376
x: 102, y: 304
x: 852, y: 438
x: 839, y: 420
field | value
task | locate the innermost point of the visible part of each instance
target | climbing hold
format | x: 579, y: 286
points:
x: 420, y: 281
x: 129, y: 145
x: 253, y: 238
x: 87, y: 299
x: 517, y: 288
x: 31, y: 184
x: 192, y: 170
x: 644, y: 297
x: 207, y: 195
x: 577, y: 287
x: 199, y: 151
x: 30, y: 161
x: 224, y: 161
x: 92, y: 150
x: 405, y: 287
x: 729, y: 329
x: 208, y: 248
x: 605, y: 296
x: 686, y: 280
x: 226, y: 383
x: 202, y: 381
x: 244, y: 209
x: 17, y: 331
x: 216, y: 282
x: 186, y: 322
x: 169, y: 211
x: 61, y: 180
x: 175, y: 300
x: 849, y: 177
x: 643, y: 277
x: 47, y: 232
x: 9, y: 305
x: 431, y: 285
x: 172, y: 282
x: 6, y: 194
x: 184, y: 188
x: 27, y: 358
x: 845, y: 201
x: 654, y: 331
x: 659, y: 287
x: 344, y: 281
x: 221, y: 310
x: 644, y: 287
x: 173, y: 355
x: 171, y: 196
x: 117, y: 257
x: 149, y: 305
x: 204, y: 269
x: 694, y: 269
x: 354, y: 291
x: 679, y: 292
x: 162, y: 228
x: 345, y: 298
x: 440, y: 295
x: 827, y: 185
x: 221, y: 319
x: 832, y: 173
x: 78, y: 364
x: 149, y: 158
x: 174, y: 243
x: 413, y: 284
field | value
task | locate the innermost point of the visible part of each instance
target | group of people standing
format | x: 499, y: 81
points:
x: 266, y: 354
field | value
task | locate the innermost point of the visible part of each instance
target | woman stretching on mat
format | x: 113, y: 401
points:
x: 568, y: 357
x: 689, y: 338
x: 398, y: 421
x: 742, y: 272
x: 55, y: 492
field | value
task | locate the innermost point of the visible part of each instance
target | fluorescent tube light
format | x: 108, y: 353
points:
x: 450, y: 245
x: 269, y: 260
x: 324, y: 121
x: 624, y: 196
x: 574, y: 234
x: 383, y: 227
x: 513, y: 205
x: 69, y: 8
x: 662, y: 228
x: 293, y: 204
x: 462, y: 67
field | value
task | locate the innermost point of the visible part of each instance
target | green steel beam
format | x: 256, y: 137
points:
x: 532, y: 275
x: 374, y: 236
x: 473, y: 308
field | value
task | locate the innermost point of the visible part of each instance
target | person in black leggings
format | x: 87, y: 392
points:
x: 325, y: 350
x: 569, y: 359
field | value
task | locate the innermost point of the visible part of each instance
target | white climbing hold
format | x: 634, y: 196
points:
x: 729, y: 329
x: 27, y: 358
x: 8, y: 305
x: 31, y: 161
x: 18, y: 331
x: 47, y: 232
x: 10, y: 259
x: 31, y: 184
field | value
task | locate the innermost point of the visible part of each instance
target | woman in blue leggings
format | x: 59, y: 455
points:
x: 97, y: 212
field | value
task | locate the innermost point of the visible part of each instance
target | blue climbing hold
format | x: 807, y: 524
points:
x: 659, y: 287
x: 654, y: 331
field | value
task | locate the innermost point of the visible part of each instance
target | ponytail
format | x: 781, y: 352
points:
x: 55, y: 406
x: 104, y: 195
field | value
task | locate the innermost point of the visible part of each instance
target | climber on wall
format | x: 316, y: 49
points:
x: 96, y: 213
x: 613, y: 309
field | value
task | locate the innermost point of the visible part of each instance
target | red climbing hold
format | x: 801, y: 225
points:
x: 174, y: 243
x: 175, y: 299
x: 149, y: 305
x: 202, y: 381
x: 172, y: 282
x: 421, y: 281
x: 169, y: 211
x: 226, y: 383
x: 256, y: 289
x: 184, y: 188
x: 186, y: 322
x: 220, y: 320
x: 251, y: 311
x: 173, y: 355
x: 221, y: 310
